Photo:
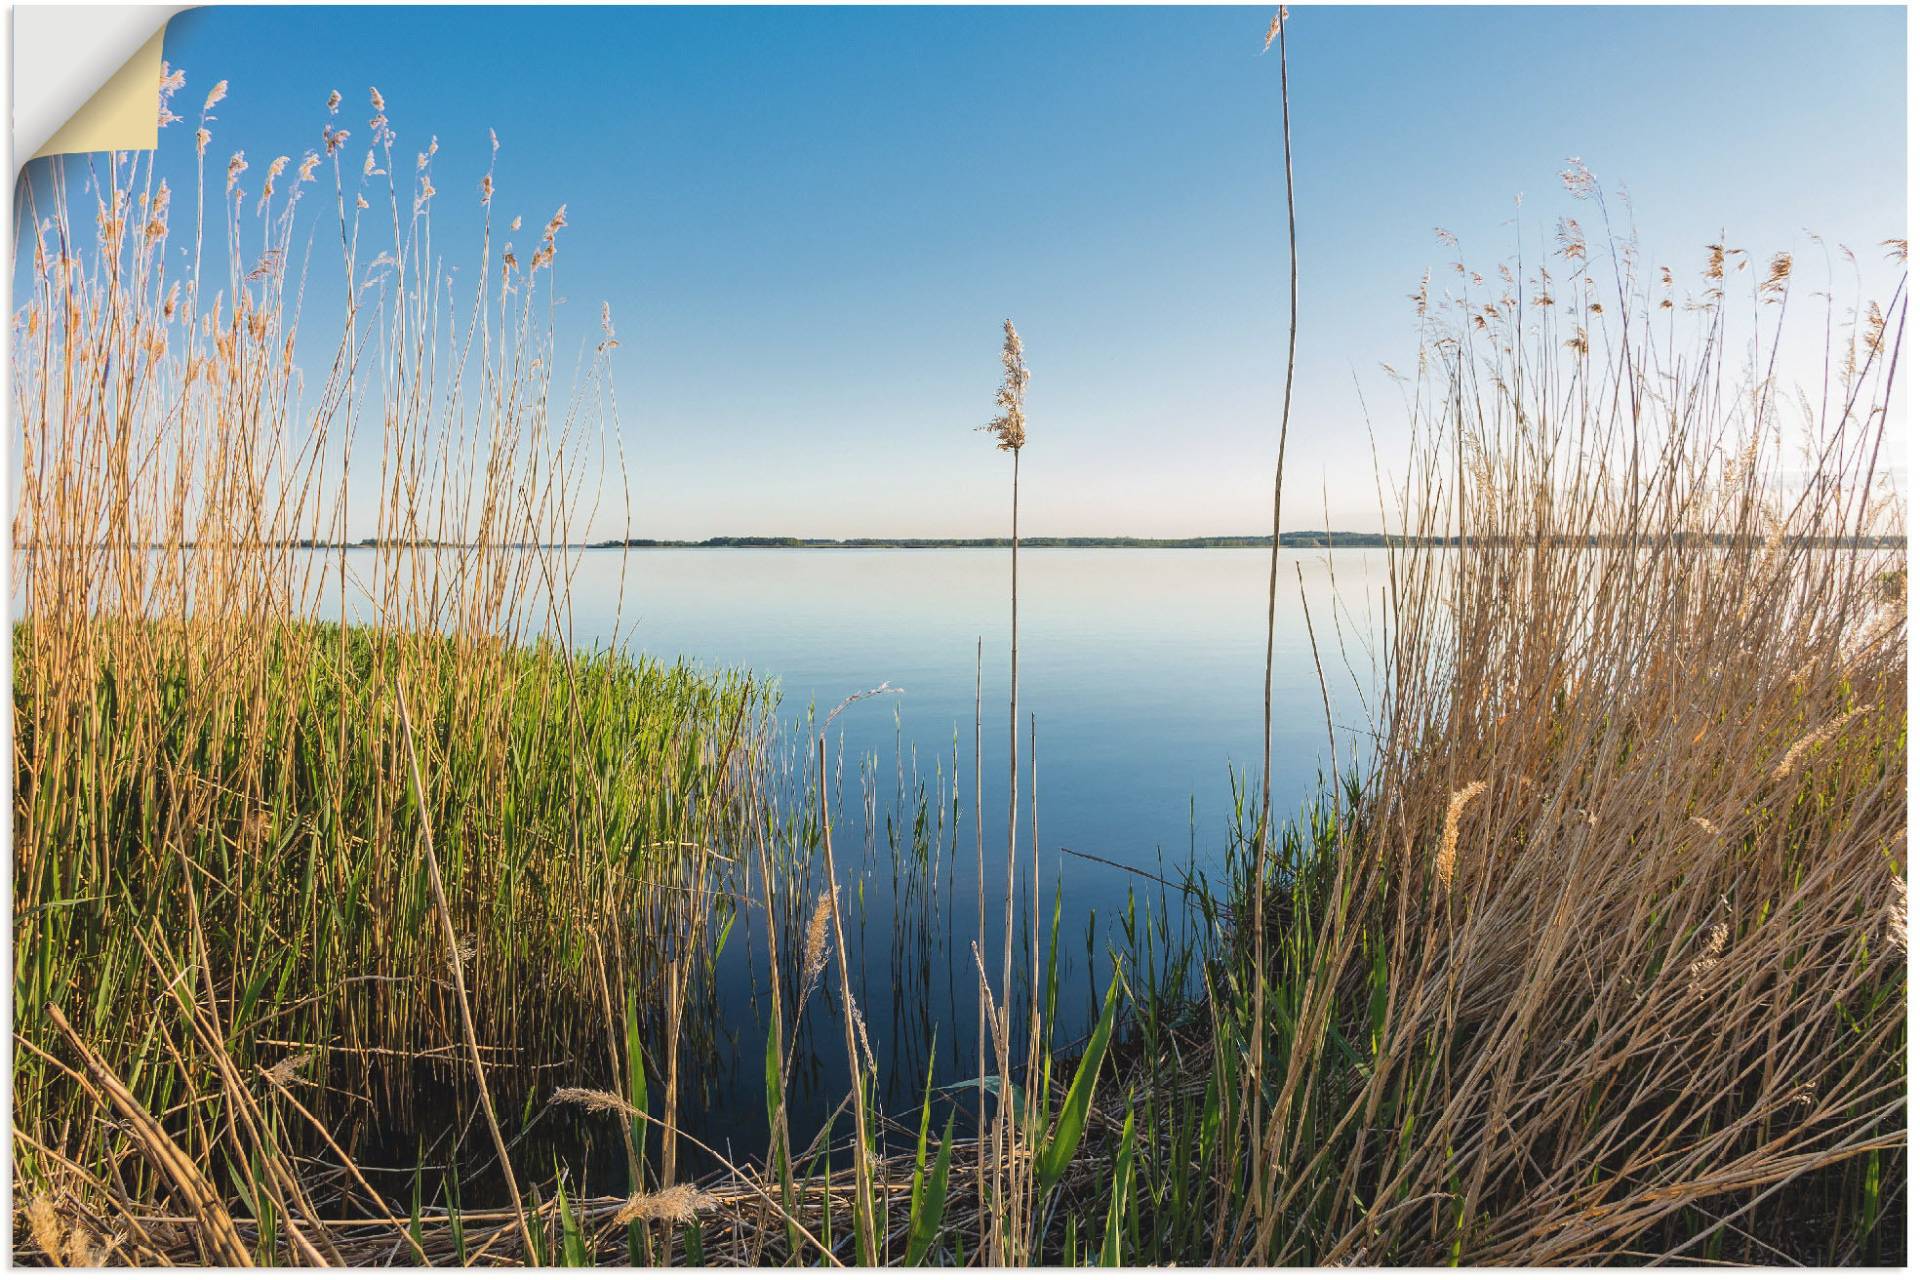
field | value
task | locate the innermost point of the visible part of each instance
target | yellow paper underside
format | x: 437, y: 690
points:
x: 123, y: 116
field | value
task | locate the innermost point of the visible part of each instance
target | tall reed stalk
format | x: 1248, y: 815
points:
x: 1263, y: 832
x: 1009, y: 431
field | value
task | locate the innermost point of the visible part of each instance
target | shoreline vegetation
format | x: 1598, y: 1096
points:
x: 1304, y: 540
x: 353, y: 945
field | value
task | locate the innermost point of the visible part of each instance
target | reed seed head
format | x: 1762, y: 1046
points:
x: 83, y: 1250
x: 1813, y: 742
x: 1579, y: 180
x: 1273, y: 28
x: 1708, y: 959
x: 1009, y: 426
x: 814, y: 958
x: 1778, y: 270
x: 595, y: 1102
x: 172, y: 80
x: 1443, y: 862
x: 1896, y: 912
x: 682, y: 1202
x: 866, y: 1046
x: 44, y: 1225
x: 287, y: 1071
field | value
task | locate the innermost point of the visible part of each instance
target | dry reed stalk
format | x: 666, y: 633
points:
x: 1009, y: 430
x: 634, y: 1172
x: 459, y: 975
x: 670, y: 1132
x: 1029, y: 1209
x: 980, y: 919
x: 352, y: 1168
x: 1276, y: 29
x: 779, y: 1139
x: 864, y: 1226
x: 219, y: 1242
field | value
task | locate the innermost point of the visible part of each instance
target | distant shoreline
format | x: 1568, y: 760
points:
x: 1301, y: 540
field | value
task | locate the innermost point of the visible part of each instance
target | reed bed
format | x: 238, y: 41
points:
x: 226, y: 888
x: 1598, y: 957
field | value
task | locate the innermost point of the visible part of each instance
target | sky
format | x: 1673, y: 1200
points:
x: 808, y: 224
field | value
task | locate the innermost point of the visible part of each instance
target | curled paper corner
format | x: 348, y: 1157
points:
x: 86, y: 78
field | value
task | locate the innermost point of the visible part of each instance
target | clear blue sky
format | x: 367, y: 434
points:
x: 809, y: 222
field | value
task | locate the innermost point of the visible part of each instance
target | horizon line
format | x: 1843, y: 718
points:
x: 1305, y: 539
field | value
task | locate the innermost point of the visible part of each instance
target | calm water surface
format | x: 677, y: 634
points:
x: 1141, y: 672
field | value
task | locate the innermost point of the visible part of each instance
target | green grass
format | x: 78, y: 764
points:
x: 249, y: 826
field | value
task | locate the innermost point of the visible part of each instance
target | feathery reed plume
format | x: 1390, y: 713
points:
x: 1813, y: 741
x: 594, y: 1102
x: 1273, y: 27
x: 1579, y: 180
x: 1707, y: 960
x: 84, y: 1251
x: 1009, y: 426
x: 866, y: 1046
x: 1443, y: 860
x: 813, y: 961
x: 44, y: 1225
x: 681, y: 1203
x: 1896, y: 911
x: 286, y: 1072
x: 1779, y: 269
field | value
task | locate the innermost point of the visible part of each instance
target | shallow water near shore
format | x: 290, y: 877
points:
x: 1140, y: 678
x: 1140, y: 682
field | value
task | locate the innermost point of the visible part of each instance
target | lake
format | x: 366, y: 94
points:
x: 1141, y: 672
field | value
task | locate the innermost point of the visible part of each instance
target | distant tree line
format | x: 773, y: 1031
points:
x: 1314, y: 538
x: 1306, y: 538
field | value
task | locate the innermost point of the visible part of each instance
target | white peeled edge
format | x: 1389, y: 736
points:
x: 67, y: 70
